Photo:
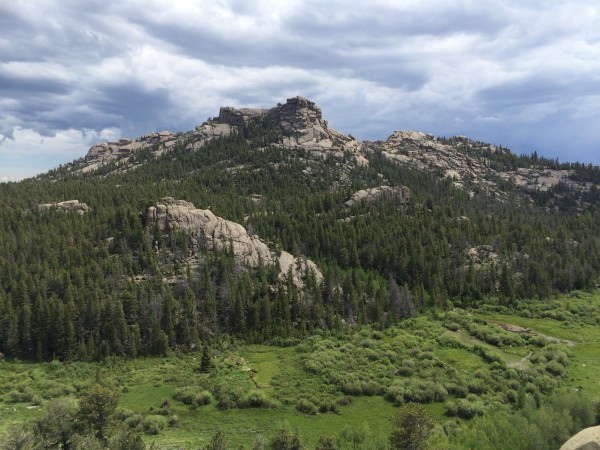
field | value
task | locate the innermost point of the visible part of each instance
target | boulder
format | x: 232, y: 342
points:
x: 587, y: 439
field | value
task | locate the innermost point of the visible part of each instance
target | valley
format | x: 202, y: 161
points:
x: 354, y: 380
x: 264, y: 278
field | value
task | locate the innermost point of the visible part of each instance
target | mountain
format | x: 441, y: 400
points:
x: 299, y: 123
x: 267, y: 224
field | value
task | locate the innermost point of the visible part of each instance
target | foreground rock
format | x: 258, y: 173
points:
x: 588, y: 439
x: 69, y: 205
x: 217, y: 234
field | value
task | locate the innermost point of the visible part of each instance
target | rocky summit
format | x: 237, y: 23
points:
x: 299, y: 123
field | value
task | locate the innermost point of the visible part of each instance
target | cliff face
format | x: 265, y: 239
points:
x: 299, y: 122
x: 217, y: 234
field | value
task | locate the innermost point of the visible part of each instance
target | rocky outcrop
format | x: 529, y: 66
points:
x: 587, y: 439
x: 482, y: 255
x: 544, y: 180
x: 425, y: 152
x: 401, y: 193
x: 217, y: 234
x: 299, y: 122
x: 123, y: 149
x: 69, y: 205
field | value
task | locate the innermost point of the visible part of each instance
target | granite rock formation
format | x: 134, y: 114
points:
x: 69, y: 205
x: 217, y: 234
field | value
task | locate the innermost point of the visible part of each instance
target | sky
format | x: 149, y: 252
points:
x: 524, y: 74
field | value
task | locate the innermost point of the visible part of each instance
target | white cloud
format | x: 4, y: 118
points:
x: 442, y: 66
x: 28, y: 152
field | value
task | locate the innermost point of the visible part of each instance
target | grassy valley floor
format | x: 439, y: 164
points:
x: 460, y: 364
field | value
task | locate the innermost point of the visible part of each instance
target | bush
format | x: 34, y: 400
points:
x: 464, y: 408
x: 555, y: 368
x: 327, y: 442
x: 285, y: 439
x: 347, y: 400
x: 134, y: 421
x: 306, y: 407
x: 153, y: 424
x: 411, y: 427
x: 371, y: 388
x: 193, y: 396
x: 404, y: 371
x: 256, y: 399
x: 352, y: 388
x: 22, y: 395
x: 452, y: 326
x: 329, y: 406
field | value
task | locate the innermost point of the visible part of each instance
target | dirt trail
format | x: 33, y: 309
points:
x: 521, y: 363
x: 518, y: 329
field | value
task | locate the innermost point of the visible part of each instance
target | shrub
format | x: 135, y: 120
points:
x: 193, y: 396
x: 22, y: 395
x: 347, y: 400
x: 404, y: 371
x: 327, y: 442
x: 153, y: 424
x: 134, y: 421
x: 352, y: 388
x: 555, y: 368
x: 256, y: 399
x: 285, y: 439
x: 371, y: 388
x: 306, y: 407
x: 411, y: 427
x: 329, y: 406
x: 457, y: 390
x: 464, y: 408
x: 452, y: 326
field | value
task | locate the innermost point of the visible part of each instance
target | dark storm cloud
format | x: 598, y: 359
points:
x: 517, y: 73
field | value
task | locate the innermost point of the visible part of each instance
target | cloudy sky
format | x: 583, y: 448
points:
x: 520, y: 73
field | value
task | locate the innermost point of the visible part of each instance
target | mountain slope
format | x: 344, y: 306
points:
x: 393, y: 226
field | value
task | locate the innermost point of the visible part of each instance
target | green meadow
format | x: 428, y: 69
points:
x: 460, y: 364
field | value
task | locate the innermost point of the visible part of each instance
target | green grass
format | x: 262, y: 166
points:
x: 315, y: 370
x: 583, y: 371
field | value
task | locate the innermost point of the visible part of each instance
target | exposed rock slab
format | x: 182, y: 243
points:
x: 425, y: 152
x: 544, y: 180
x: 69, y: 205
x: 369, y: 195
x: 218, y: 234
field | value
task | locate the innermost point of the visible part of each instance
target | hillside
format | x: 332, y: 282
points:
x: 264, y: 261
x: 263, y: 223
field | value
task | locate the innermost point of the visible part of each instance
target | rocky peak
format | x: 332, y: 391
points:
x: 299, y: 122
x: 240, y: 117
x: 425, y: 152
